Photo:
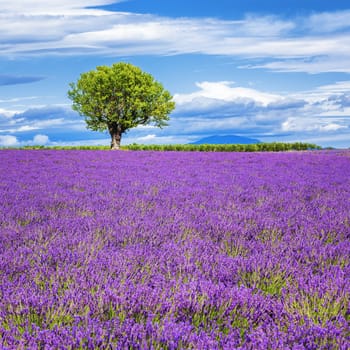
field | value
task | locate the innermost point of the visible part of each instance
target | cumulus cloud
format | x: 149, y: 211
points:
x: 337, y: 87
x: 311, y: 124
x: 223, y: 107
x: 147, y: 138
x: 6, y: 113
x: 220, y: 107
x: 40, y: 139
x: 315, y: 43
x: 224, y: 91
x: 156, y: 139
x: 8, y: 140
x: 224, y: 99
x: 43, y: 118
x: 47, y: 125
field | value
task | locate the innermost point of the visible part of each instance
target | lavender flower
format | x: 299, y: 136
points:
x: 152, y: 250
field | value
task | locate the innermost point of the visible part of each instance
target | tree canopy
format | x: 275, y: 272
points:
x: 120, y: 97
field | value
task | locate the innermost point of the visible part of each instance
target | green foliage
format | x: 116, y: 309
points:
x: 119, y: 98
x: 269, y: 283
x: 219, y: 318
x: 319, y: 309
x: 260, y: 147
x: 234, y: 249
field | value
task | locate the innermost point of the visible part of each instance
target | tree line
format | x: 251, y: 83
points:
x: 259, y: 147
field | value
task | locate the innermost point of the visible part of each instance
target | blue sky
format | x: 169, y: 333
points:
x: 272, y: 70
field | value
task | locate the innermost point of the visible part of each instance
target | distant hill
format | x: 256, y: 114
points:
x: 225, y: 139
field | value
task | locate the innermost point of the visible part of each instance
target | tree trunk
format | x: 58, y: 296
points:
x: 116, y: 135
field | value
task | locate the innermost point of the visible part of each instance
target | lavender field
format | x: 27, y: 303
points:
x: 174, y: 250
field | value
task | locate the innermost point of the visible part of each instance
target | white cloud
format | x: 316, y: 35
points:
x: 224, y: 91
x: 218, y: 124
x: 158, y: 140
x: 338, y: 87
x: 149, y: 137
x: 19, y: 99
x: 33, y: 27
x: 52, y: 7
x: 329, y: 22
x: 267, y: 26
x: 8, y: 113
x: 218, y: 107
x: 25, y: 128
x: 23, y: 125
x: 306, y: 124
x: 332, y: 61
x: 8, y: 140
x: 46, y: 118
x: 332, y: 127
x: 40, y: 139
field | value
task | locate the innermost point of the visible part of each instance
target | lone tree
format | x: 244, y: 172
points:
x: 119, y: 98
